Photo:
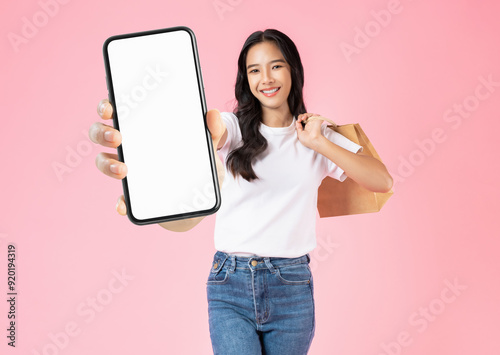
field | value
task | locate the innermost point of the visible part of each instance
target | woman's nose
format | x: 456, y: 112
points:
x: 267, y: 77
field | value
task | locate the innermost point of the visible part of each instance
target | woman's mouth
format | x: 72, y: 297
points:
x: 270, y: 92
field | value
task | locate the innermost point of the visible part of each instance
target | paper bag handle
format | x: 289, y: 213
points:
x: 332, y: 124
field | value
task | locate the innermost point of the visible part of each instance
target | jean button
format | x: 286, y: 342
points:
x: 254, y: 262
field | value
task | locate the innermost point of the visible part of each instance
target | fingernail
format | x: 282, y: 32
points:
x: 101, y: 108
x: 115, y: 168
x: 117, y: 203
x: 108, y: 135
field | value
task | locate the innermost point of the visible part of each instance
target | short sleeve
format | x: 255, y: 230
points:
x: 332, y: 170
x: 233, y: 134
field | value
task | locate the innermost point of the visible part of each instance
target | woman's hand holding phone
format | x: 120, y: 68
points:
x: 109, y: 164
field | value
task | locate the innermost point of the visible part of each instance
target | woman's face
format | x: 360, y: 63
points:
x: 268, y: 75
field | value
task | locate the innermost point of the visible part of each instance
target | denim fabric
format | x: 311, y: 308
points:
x: 260, y: 305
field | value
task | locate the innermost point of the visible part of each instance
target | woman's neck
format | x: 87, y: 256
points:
x: 277, y: 117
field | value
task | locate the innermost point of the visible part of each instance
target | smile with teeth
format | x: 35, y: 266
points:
x: 270, y: 92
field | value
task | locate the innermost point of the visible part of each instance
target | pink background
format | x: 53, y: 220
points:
x: 375, y: 274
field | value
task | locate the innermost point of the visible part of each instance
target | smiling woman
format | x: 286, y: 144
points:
x: 260, y: 288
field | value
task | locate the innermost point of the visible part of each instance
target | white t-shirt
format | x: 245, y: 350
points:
x: 275, y: 215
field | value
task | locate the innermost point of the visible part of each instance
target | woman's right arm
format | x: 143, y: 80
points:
x: 109, y: 164
x: 223, y: 138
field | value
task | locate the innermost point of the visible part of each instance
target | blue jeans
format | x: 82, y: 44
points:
x: 260, y: 305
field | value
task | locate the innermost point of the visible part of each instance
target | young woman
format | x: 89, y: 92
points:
x: 260, y: 288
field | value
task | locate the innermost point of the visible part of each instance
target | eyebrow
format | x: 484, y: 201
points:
x: 272, y: 61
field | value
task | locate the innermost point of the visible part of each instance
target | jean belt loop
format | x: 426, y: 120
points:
x: 232, y: 265
x: 308, y: 258
x: 270, y: 266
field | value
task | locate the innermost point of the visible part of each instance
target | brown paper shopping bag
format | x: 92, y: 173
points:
x: 337, y: 198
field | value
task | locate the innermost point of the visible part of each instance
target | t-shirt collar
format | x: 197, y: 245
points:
x: 278, y: 130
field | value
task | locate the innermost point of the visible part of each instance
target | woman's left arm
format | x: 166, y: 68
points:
x: 366, y: 170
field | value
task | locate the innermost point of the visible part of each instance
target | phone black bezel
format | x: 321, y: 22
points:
x: 111, y: 96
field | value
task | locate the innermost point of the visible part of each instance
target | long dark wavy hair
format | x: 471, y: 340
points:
x: 248, y: 109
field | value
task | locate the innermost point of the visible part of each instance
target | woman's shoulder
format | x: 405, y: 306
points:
x: 229, y: 115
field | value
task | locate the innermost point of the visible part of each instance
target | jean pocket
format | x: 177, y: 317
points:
x: 219, y: 273
x: 299, y: 274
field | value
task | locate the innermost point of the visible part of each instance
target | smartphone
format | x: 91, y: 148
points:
x: 156, y: 88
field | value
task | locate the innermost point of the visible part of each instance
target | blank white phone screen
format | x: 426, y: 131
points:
x: 160, y: 117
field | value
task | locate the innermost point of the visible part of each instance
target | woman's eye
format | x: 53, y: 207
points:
x: 251, y: 71
x: 278, y: 66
